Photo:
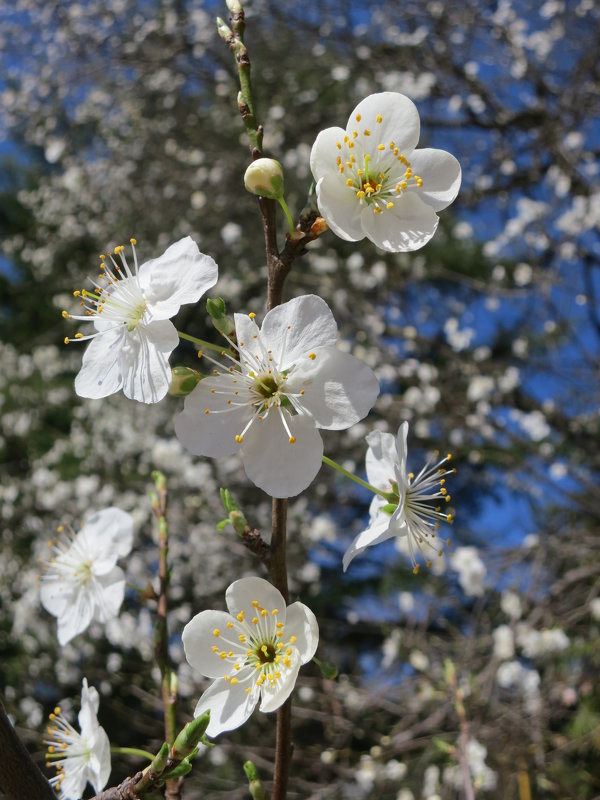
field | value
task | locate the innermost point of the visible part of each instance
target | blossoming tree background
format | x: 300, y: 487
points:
x: 120, y: 120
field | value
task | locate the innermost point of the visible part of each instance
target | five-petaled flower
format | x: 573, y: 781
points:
x: 131, y: 311
x: 82, y: 757
x: 289, y: 381
x: 409, y: 508
x: 370, y: 180
x: 81, y: 581
x: 254, y: 652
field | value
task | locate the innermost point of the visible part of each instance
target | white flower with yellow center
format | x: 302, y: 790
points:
x: 79, y: 758
x: 290, y: 380
x: 81, y: 581
x: 131, y: 311
x: 370, y: 180
x: 410, y: 507
x: 254, y: 652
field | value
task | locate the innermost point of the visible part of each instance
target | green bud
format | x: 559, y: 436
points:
x: 255, y: 786
x: 179, y: 771
x: 265, y: 178
x: 224, y: 30
x: 234, y: 514
x: 187, y: 740
x: 215, y: 307
x: 160, y: 760
x: 183, y: 381
x: 234, y: 6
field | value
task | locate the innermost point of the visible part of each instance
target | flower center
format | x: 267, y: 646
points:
x: 117, y: 298
x: 266, y: 653
x: 377, y: 172
x: 266, y: 385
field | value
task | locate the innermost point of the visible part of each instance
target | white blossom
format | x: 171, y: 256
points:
x: 131, y: 311
x: 79, y: 758
x: 290, y: 380
x: 370, y: 180
x: 81, y: 581
x: 408, y: 508
x: 255, y: 652
x: 471, y: 570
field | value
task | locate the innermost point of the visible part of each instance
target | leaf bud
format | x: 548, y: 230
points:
x: 187, y: 740
x: 160, y: 760
x: 265, y: 178
x: 329, y: 670
x: 215, y: 307
x: 183, y: 381
x: 234, y: 6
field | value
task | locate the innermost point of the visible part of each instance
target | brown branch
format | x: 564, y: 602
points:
x: 20, y: 777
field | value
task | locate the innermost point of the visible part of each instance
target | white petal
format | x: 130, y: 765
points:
x: 107, y: 535
x: 101, y: 761
x: 213, y: 434
x: 249, y: 342
x: 275, y: 696
x: 181, y: 275
x: 378, y: 531
x: 198, y: 640
x: 339, y: 390
x: 381, y: 459
x: 293, y: 329
x: 325, y: 152
x: 57, y: 594
x: 277, y: 467
x: 73, y: 784
x: 100, y: 373
x: 402, y: 453
x: 241, y: 594
x: 441, y: 176
x: 302, y: 623
x: 110, y: 591
x: 229, y: 705
x: 90, y: 702
x: 145, y: 361
x: 409, y: 225
x: 76, y: 617
x: 340, y: 207
x: 399, y: 120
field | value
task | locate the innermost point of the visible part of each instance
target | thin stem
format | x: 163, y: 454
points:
x: 286, y: 211
x: 200, y: 342
x: 161, y: 631
x: 355, y: 478
x: 132, y: 751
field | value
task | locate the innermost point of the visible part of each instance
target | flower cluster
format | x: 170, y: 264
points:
x: 254, y: 652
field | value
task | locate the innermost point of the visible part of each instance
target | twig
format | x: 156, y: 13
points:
x: 161, y: 632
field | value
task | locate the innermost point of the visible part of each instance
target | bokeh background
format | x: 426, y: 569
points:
x: 118, y: 118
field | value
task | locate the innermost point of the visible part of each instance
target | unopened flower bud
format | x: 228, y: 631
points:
x: 234, y: 6
x: 183, y: 381
x: 265, y: 178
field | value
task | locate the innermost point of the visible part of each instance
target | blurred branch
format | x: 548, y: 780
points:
x: 20, y: 778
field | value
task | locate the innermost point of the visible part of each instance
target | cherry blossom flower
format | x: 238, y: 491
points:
x: 408, y: 508
x: 131, y: 311
x: 370, y: 180
x: 81, y: 582
x: 289, y: 381
x: 82, y: 757
x: 254, y: 652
